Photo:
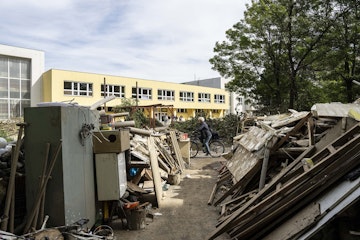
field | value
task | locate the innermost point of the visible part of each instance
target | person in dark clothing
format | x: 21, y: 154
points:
x: 205, y: 134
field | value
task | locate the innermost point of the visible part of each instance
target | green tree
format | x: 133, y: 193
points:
x: 274, y: 55
x: 343, y: 63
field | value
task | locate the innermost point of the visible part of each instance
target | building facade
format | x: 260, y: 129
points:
x: 23, y: 83
x: 159, y: 100
x: 20, y: 85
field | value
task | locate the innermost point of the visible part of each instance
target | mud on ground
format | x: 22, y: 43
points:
x: 184, y: 214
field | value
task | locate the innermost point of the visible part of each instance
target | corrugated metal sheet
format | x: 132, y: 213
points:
x: 333, y: 109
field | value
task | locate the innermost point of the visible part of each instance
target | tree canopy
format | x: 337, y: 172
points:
x: 293, y: 53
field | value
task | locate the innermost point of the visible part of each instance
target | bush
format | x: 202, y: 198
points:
x: 226, y: 127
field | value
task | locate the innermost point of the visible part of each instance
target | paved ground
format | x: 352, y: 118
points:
x: 185, y: 214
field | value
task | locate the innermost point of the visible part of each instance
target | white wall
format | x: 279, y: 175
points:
x: 37, y: 67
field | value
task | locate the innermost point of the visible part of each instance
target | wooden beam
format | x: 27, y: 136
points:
x: 295, y: 129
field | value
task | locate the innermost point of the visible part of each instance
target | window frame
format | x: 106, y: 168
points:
x: 84, y: 89
x: 144, y: 93
x: 189, y: 96
x: 204, y: 97
x: 219, y: 98
x: 110, y: 90
x: 166, y: 95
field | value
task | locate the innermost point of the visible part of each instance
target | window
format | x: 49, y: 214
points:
x: 204, y: 97
x: 219, y: 98
x: 116, y: 90
x: 240, y: 100
x: 143, y: 93
x: 15, y: 86
x: 166, y: 95
x: 78, y: 88
x: 187, y: 96
x: 181, y: 110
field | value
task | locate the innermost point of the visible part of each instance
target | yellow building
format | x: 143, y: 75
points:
x: 166, y: 99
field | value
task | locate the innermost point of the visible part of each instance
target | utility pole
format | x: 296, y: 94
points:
x: 105, y: 92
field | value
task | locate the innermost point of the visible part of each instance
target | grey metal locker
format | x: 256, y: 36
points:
x: 70, y: 193
x: 110, y: 176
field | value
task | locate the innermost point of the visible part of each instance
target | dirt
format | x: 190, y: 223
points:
x: 184, y: 213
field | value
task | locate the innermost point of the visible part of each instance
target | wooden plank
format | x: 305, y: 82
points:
x: 295, y: 224
x: 299, y: 187
x: 166, y: 155
x: 212, y: 194
x: 177, y: 150
x: 236, y: 218
x: 163, y: 165
x: 289, y: 203
x: 331, y: 149
x: 311, y: 131
x: 296, y: 185
x: 240, y: 184
x: 155, y: 170
x: 224, y: 225
x: 138, y: 176
x: 295, y: 129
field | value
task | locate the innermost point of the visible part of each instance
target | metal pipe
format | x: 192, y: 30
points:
x: 102, y: 101
x: 140, y: 131
x: 122, y: 124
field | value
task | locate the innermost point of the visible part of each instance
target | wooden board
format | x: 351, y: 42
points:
x: 155, y: 170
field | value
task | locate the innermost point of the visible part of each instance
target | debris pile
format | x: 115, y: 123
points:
x: 280, y: 167
x: 156, y: 160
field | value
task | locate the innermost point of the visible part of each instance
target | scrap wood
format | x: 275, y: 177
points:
x: 155, y: 170
x: 163, y: 165
x: 325, y: 162
x: 11, y: 185
x: 139, y: 146
x: 271, y: 186
x: 165, y: 154
x: 138, y: 176
x: 131, y: 187
x: 299, y: 195
x: 149, y: 174
x: 41, y: 191
x: 295, y: 129
x: 240, y: 185
x: 177, y: 150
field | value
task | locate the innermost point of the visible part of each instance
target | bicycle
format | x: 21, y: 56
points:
x: 216, y: 146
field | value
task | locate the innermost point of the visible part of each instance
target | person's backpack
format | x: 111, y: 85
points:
x: 214, y: 134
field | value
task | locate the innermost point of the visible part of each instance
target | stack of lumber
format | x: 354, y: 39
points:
x: 279, y: 167
x: 156, y: 156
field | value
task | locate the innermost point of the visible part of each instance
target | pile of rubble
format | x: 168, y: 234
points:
x: 153, y: 161
x: 156, y: 160
x: 290, y: 175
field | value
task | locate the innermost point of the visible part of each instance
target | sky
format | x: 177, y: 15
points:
x: 164, y: 40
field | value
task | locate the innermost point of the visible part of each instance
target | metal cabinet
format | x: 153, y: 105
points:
x: 70, y: 192
x: 110, y: 176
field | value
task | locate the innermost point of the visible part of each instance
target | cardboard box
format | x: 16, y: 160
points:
x: 112, y: 141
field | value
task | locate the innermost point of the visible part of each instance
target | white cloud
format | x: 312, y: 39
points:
x: 161, y: 40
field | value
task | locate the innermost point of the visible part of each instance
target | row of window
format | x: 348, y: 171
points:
x: 14, y: 86
x: 86, y: 89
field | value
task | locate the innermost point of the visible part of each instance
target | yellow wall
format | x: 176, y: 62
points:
x: 53, y: 85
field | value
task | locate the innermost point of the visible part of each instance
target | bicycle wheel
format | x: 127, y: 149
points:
x: 216, y: 148
x: 194, y: 149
